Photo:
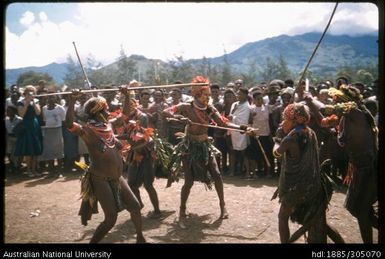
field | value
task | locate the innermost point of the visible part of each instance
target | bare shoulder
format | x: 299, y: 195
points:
x: 183, y: 107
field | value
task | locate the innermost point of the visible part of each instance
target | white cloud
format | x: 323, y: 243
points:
x: 163, y: 30
x: 27, y: 19
x: 43, y: 16
x: 362, y: 17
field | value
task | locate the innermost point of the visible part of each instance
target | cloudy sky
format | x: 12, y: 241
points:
x: 37, y: 34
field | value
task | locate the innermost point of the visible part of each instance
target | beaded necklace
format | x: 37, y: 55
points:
x: 201, y: 114
x: 103, y: 132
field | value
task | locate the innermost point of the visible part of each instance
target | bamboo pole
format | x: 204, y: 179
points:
x: 129, y: 88
x: 208, y: 125
x: 316, y: 47
x: 81, y: 65
x: 217, y: 127
x: 263, y: 152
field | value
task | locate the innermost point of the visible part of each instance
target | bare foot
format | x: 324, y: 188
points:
x: 155, y: 214
x: 182, y: 213
x: 140, y: 239
x: 224, y: 213
x: 181, y: 222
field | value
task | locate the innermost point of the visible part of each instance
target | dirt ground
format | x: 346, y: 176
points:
x: 45, y: 210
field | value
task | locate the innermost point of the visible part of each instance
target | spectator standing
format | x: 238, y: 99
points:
x: 53, y: 116
x: 11, y: 120
x: 30, y: 142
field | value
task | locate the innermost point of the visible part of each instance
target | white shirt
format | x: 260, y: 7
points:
x: 240, y: 113
x: 53, y: 118
x: 261, y: 120
x: 9, y: 125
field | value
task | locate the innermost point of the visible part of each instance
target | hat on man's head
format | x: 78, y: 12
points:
x: 287, y: 90
x: 257, y: 92
x: 273, y: 89
x: 257, y: 88
x: 278, y: 82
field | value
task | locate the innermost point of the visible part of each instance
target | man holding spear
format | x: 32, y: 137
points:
x: 196, y: 154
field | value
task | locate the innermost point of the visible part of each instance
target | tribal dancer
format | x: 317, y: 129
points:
x: 104, y: 176
x: 196, y: 151
x: 302, y: 191
x: 358, y: 134
x: 141, y: 152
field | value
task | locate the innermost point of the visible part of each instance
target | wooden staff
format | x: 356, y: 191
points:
x: 129, y: 88
x: 208, y: 125
x: 81, y: 65
x: 217, y: 127
x: 316, y: 47
x: 263, y: 152
x: 231, y: 129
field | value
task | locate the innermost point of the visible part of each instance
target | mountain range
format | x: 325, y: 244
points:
x: 334, y: 52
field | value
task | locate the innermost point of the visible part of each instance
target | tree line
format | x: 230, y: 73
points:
x: 158, y: 72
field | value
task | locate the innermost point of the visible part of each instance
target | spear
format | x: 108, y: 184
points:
x: 81, y: 65
x: 316, y: 47
x: 129, y: 88
x: 208, y: 125
x: 231, y: 129
x: 217, y: 127
x: 263, y: 152
x: 238, y: 130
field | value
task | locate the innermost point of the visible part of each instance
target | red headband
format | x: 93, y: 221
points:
x: 198, y: 89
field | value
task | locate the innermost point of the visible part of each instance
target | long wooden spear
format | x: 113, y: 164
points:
x: 231, y: 129
x: 217, y: 127
x: 316, y: 47
x: 263, y: 152
x: 81, y: 65
x: 129, y: 88
x: 208, y: 125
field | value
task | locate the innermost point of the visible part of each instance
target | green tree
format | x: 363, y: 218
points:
x: 364, y: 77
x: 74, y: 77
x: 270, y: 70
x: 313, y: 77
x: 346, y: 71
x: 215, y: 75
x: 126, y: 68
x: 32, y: 78
x: 96, y: 75
x: 283, y: 72
x: 226, y: 69
x: 203, y: 67
x: 250, y: 77
x: 181, y: 70
x: 99, y: 77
